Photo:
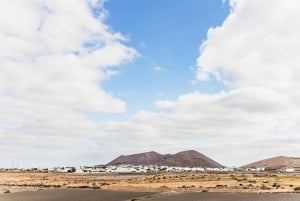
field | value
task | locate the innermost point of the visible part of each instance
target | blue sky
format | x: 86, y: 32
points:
x: 168, y: 35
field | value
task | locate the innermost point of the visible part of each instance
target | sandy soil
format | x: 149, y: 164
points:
x: 168, y: 182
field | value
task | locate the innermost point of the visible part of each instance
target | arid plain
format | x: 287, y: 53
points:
x: 11, y: 182
x: 25, y: 186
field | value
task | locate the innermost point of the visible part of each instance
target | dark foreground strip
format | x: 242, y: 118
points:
x: 227, y: 197
x: 101, y: 195
x: 152, y: 196
x: 73, y: 195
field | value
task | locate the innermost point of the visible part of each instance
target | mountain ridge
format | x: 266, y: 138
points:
x: 188, y: 158
x: 275, y: 162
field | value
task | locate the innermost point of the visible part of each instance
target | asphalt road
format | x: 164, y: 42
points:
x: 228, y: 197
x: 72, y: 195
x: 100, y: 195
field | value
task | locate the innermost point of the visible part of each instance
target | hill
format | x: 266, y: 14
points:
x: 275, y: 162
x: 188, y: 158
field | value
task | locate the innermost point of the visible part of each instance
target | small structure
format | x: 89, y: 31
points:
x: 292, y: 169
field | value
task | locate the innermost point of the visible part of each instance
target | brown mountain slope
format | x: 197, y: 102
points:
x: 189, y: 158
x: 148, y: 158
x: 276, y: 162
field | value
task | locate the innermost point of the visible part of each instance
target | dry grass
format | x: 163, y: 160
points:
x: 178, y: 182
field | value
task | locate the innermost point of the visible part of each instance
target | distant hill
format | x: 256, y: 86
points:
x: 188, y: 158
x: 276, y: 162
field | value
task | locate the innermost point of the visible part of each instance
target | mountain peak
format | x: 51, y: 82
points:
x: 275, y: 162
x: 189, y: 151
x: 189, y: 158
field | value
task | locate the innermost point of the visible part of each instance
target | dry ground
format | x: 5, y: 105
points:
x: 165, y: 182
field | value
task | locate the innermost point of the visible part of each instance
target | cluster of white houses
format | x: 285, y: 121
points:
x: 121, y: 169
x: 147, y: 169
x: 54, y: 169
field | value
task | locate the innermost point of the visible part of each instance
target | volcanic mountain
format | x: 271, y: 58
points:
x: 189, y: 158
x: 275, y: 162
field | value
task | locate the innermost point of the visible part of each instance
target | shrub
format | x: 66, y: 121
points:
x: 297, y: 189
x: 264, y: 187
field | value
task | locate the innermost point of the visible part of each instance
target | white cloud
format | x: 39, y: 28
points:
x: 47, y: 61
x: 53, y: 57
x: 159, y: 69
x: 256, y: 49
x: 255, y: 46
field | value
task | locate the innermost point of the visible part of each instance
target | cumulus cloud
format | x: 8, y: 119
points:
x: 256, y: 48
x: 53, y: 57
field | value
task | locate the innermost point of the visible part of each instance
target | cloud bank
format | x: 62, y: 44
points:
x: 54, y: 56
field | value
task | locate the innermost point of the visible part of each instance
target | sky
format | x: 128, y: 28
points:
x: 84, y: 81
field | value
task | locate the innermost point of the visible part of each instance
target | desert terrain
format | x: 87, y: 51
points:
x: 11, y: 182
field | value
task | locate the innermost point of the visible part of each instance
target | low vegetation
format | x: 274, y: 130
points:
x: 164, y: 182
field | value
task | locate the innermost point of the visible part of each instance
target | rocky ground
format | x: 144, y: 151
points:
x: 167, y: 182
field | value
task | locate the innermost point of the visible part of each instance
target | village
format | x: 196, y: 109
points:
x: 147, y: 169
x: 144, y: 169
x: 130, y: 169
